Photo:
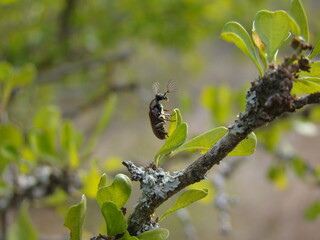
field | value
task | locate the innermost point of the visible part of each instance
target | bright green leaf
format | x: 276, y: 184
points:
x: 118, y: 192
x: 91, y: 181
x: 103, y: 181
x: 202, y: 142
x: 316, y: 47
x: 305, y: 86
x: 157, y: 234
x: 177, y: 138
x: 297, y: 12
x: 314, y: 71
x: 24, y: 76
x: 49, y: 117
x: 278, y: 177
x: 175, y: 121
x: 299, y: 166
x: 74, y: 219
x: 234, y: 32
x: 245, y: 147
x: 115, y: 221
x: 261, y: 47
x: 313, y: 211
x: 6, y: 71
x: 219, y: 101
x: 185, y: 199
x: 103, y: 121
x: 10, y: 135
x: 22, y: 228
x: 206, y: 140
x: 127, y: 236
x: 273, y: 29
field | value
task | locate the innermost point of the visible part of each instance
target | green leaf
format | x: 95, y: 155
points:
x: 6, y: 71
x: 118, y: 192
x: 313, y: 211
x: 10, y: 135
x: 206, y: 140
x: 219, y: 101
x: 91, y: 181
x: 70, y: 140
x: 234, y: 32
x: 22, y: 228
x: 313, y: 72
x: 113, y: 216
x: 185, y: 199
x: 273, y: 29
x: 24, y: 76
x: 316, y: 47
x: 49, y: 117
x: 299, y: 166
x: 177, y: 138
x: 175, y: 121
x: 74, y: 219
x: 245, y: 147
x: 157, y: 234
x: 104, y: 119
x: 277, y: 175
x: 103, y: 181
x: 305, y: 86
x: 127, y: 236
x: 297, y: 12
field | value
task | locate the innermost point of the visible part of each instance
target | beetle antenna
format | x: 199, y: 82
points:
x: 155, y: 87
x: 171, y: 87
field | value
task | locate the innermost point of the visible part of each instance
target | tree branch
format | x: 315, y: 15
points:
x: 268, y: 98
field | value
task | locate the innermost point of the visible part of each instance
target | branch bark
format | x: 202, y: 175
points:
x: 268, y: 98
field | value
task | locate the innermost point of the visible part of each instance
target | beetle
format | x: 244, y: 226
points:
x: 157, y: 114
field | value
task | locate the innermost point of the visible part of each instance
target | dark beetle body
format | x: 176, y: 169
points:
x: 157, y: 114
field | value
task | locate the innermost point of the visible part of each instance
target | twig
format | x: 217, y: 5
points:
x: 68, y: 68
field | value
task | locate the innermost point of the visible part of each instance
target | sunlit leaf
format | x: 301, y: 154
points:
x: 10, y: 135
x: 91, y: 181
x: 314, y: 71
x: 297, y: 12
x: 118, y: 192
x: 299, y: 166
x: 177, y: 138
x: 104, y: 180
x: 157, y: 234
x: 273, y: 29
x: 188, y: 197
x: 205, y: 184
x: 278, y: 177
x: 6, y: 71
x: 205, y: 141
x: 313, y: 211
x: 234, y: 32
x: 102, y: 122
x: 246, y: 146
x: 316, y: 47
x: 175, y: 121
x: 261, y: 47
x: 305, y: 86
x: 74, y: 219
x: 49, y: 117
x: 115, y: 221
x: 24, y: 76
x: 219, y: 101
x: 22, y: 228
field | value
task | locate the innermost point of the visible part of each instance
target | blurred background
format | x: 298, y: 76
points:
x: 75, y: 86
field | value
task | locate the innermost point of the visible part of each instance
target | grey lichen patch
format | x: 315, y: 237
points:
x: 155, y: 182
x: 148, y: 227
